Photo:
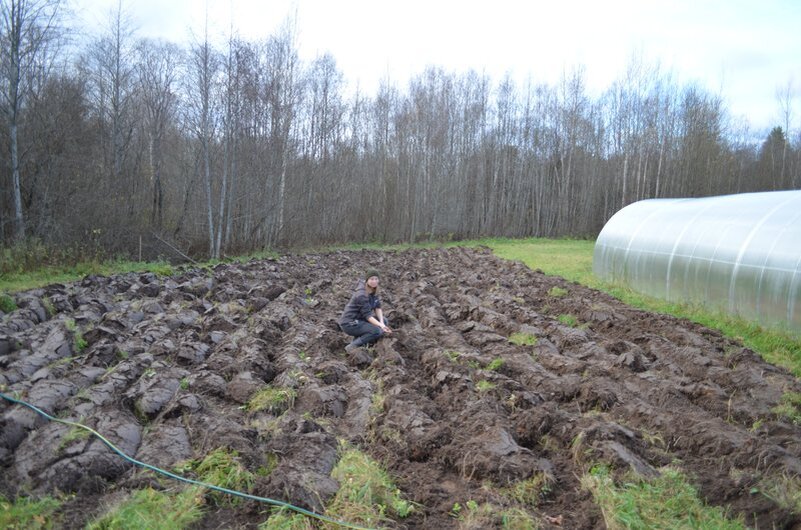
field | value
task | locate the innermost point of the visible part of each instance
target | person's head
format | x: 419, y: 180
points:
x: 371, y: 279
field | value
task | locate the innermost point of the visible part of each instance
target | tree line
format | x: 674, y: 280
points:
x: 205, y: 149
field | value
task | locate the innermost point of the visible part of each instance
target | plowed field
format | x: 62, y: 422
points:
x: 454, y: 409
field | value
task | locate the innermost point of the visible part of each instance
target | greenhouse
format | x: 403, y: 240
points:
x: 740, y: 253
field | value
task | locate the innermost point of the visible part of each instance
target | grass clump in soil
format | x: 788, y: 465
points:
x: 27, y: 512
x: 148, y: 509
x: 367, y: 495
x: 789, y: 407
x: 487, y: 515
x: 495, y: 364
x: 484, y: 386
x: 668, y: 501
x: 274, y: 400
x: 77, y: 337
x: 523, y: 339
x: 568, y: 320
x: 285, y: 519
x: 75, y: 433
x: 784, y: 490
x: 222, y: 468
x: 530, y: 491
x: 7, y: 303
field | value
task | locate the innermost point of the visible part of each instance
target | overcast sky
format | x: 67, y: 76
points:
x: 744, y: 50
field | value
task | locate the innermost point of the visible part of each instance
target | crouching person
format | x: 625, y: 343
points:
x: 363, y: 317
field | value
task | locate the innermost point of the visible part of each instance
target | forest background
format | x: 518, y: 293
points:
x: 123, y: 146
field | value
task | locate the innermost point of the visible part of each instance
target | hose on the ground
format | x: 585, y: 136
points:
x: 117, y: 450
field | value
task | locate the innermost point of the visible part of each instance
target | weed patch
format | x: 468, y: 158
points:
x: 495, y: 364
x: 26, y: 512
x: 7, y: 304
x: 668, y: 501
x: 531, y: 491
x: 568, y: 320
x: 474, y: 515
x: 222, y: 468
x: 557, y: 292
x: 366, y: 495
x: 149, y: 509
x: 789, y: 407
x: 274, y: 400
x: 783, y: 490
x: 523, y: 339
x: 484, y: 386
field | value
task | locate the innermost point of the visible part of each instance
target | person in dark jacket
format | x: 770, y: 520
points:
x: 363, y: 317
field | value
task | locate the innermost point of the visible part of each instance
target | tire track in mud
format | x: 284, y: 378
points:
x: 448, y: 403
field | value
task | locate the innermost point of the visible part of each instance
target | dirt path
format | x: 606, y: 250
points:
x: 169, y: 363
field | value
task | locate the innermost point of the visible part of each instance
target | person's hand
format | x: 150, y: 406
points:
x: 386, y: 329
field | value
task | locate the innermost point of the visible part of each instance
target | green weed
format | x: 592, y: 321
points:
x: 568, y: 320
x: 453, y: 355
x: 789, y: 407
x: 487, y: 515
x: 531, y: 491
x: 495, y: 364
x: 523, y: 339
x: 557, y: 292
x: 78, y: 341
x: 26, y: 512
x: 149, y: 509
x: 7, y: 303
x: 667, y: 501
x: 274, y: 400
x: 285, y: 519
x: 222, y: 468
x: 75, y: 433
x: 367, y: 495
x: 783, y: 490
x: 485, y: 386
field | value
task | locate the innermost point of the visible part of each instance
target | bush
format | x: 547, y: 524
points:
x: 7, y: 303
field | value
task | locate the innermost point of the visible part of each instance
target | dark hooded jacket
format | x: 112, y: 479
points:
x: 360, y: 306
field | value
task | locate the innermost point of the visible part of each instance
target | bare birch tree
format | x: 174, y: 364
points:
x: 27, y: 25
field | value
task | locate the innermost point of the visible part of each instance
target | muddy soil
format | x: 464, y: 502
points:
x: 170, y: 362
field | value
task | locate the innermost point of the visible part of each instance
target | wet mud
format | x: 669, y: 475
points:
x: 454, y: 409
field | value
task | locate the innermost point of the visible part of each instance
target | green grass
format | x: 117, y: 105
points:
x: 77, y: 337
x: 568, y: 320
x: 495, y: 364
x: 75, y: 433
x: 487, y: 515
x: 484, y: 386
x: 7, y: 304
x: 789, y: 407
x: 367, y: 495
x: 26, y: 512
x: 30, y: 279
x: 285, y: 519
x: 274, y: 400
x: 784, y: 490
x: 523, y: 339
x: 668, y: 501
x: 530, y: 491
x: 222, y: 468
x: 149, y: 509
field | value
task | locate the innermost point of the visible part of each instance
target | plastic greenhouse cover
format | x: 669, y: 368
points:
x: 741, y: 253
